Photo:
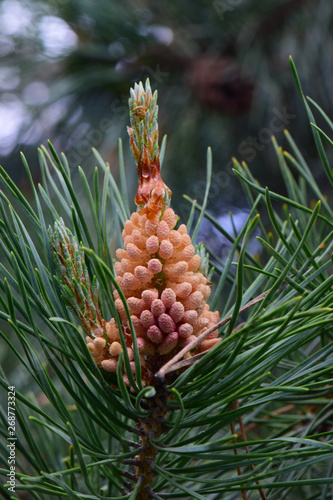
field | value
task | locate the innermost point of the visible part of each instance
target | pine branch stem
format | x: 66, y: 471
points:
x: 153, y: 427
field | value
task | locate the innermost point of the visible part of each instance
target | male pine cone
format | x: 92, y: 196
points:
x: 158, y: 269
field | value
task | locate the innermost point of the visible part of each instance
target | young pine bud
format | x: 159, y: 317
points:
x: 78, y: 289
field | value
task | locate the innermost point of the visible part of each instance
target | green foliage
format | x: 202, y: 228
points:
x: 253, y: 414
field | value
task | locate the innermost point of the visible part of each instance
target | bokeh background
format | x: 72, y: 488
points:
x: 221, y: 68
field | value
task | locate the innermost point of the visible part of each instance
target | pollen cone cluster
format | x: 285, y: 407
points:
x: 158, y: 272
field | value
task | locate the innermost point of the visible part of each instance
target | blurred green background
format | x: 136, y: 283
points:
x: 221, y: 68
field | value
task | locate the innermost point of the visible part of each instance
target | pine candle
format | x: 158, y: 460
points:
x: 158, y: 269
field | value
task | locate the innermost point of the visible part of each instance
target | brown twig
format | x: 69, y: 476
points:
x: 239, y: 471
x: 247, y: 448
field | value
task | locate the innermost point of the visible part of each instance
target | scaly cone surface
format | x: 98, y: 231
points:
x: 166, y: 294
